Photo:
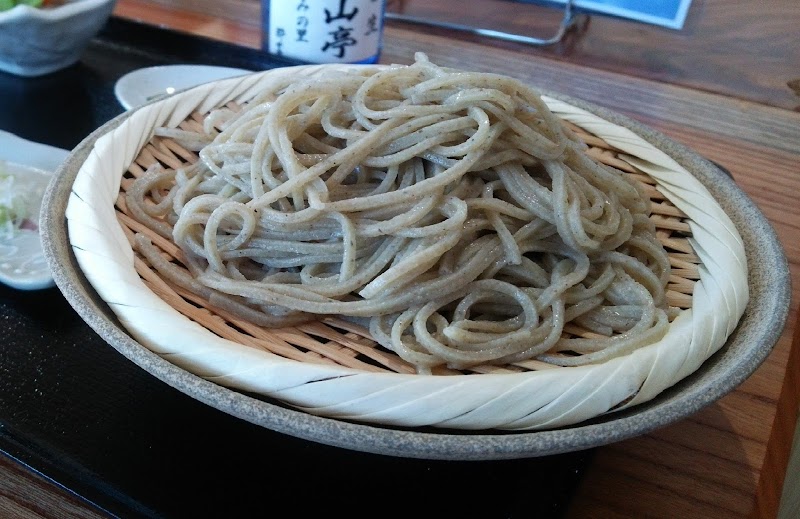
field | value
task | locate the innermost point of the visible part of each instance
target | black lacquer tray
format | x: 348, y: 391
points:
x: 75, y: 410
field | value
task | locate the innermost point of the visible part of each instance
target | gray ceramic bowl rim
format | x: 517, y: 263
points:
x: 752, y: 341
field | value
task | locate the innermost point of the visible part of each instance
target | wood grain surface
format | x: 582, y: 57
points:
x: 728, y: 460
x: 726, y: 46
x: 27, y: 495
x: 746, y: 50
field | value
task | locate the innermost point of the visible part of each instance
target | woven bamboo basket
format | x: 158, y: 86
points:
x: 339, y: 341
x: 332, y: 367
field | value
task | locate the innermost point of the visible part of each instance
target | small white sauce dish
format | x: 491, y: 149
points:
x: 22, y: 263
x: 150, y: 83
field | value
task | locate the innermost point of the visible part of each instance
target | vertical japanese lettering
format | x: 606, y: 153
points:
x: 280, y: 33
x: 341, y: 14
x: 341, y: 40
x: 325, y: 31
x: 302, y: 28
x: 342, y: 37
x: 372, y: 24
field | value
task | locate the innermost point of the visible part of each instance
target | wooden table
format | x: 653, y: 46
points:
x: 728, y: 460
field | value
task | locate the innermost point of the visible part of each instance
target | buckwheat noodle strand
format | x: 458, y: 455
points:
x: 449, y: 209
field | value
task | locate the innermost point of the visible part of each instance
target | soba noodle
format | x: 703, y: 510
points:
x: 450, y: 209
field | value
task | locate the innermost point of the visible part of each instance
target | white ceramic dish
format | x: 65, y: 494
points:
x: 22, y: 264
x: 35, y: 41
x: 147, y: 84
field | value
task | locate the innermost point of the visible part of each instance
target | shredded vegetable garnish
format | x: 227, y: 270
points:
x: 14, y: 205
x: 5, y: 5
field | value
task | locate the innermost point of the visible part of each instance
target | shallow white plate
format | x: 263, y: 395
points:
x: 22, y: 264
x: 147, y: 84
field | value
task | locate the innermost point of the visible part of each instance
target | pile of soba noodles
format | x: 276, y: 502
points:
x: 450, y: 210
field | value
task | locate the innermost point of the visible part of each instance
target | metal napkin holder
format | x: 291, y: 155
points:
x: 567, y: 22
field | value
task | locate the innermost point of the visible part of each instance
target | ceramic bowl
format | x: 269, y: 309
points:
x: 38, y: 41
x: 746, y: 347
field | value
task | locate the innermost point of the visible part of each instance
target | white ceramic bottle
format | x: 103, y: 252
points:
x: 324, y: 31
